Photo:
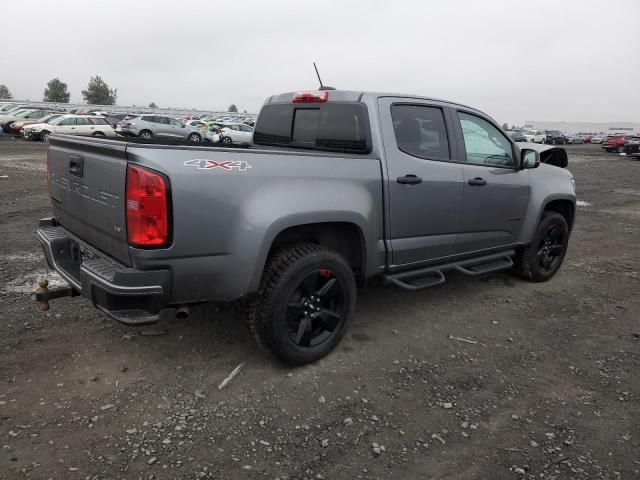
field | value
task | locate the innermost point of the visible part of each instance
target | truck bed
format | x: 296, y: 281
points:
x: 227, y: 205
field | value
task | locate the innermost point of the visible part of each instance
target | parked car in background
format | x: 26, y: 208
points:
x: 150, y: 126
x: 555, y: 137
x: 115, y: 118
x: 615, y: 143
x: 237, y: 133
x: 632, y: 147
x: 597, y: 138
x: 11, y: 107
x: 17, y: 126
x: 212, y: 135
x: 86, y: 125
x: 534, y: 136
x: 194, y: 123
x: 517, y: 136
x: 31, y: 114
x: 572, y: 138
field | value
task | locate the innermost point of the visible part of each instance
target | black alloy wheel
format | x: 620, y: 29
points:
x: 540, y: 260
x: 305, y: 303
x: 551, y: 249
x: 315, y: 309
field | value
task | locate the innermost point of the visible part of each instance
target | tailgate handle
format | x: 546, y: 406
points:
x: 76, y: 165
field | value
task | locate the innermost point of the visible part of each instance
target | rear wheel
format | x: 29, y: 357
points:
x: 146, y: 135
x: 541, y: 259
x: 98, y: 134
x: 305, y: 303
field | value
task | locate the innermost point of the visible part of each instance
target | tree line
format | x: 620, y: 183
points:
x: 97, y: 93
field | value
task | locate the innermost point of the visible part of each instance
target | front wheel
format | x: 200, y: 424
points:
x: 305, y: 303
x: 194, y: 137
x: 621, y: 149
x: 227, y: 140
x: 45, y: 136
x: 541, y: 259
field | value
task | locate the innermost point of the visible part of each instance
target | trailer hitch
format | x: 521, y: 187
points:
x: 43, y: 294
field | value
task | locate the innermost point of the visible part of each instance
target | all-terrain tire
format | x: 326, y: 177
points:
x: 527, y: 262
x: 283, y: 274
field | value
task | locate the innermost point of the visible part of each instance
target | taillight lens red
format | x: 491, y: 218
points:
x: 147, y: 207
x: 310, y: 97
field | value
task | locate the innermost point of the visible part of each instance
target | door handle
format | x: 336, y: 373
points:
x: 477, y: 181
x: 409, y: 180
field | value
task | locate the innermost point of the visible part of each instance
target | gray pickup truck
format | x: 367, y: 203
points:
x: 338, y: 187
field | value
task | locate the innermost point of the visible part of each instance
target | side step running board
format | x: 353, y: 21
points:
x: 430, y: 276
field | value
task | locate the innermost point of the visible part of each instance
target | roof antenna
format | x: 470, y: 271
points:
x: 322, y: 87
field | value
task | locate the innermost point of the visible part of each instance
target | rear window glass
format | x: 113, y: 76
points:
x: 335, y: 126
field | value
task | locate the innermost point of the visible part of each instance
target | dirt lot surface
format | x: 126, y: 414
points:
x: 545, y: 383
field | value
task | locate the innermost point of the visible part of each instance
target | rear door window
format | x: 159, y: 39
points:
x: 420, y: 131
x: 83, y: 121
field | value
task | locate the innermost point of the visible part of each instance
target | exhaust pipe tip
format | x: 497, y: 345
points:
x: 182, y: 312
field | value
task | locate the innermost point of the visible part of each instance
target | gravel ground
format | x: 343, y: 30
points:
x: 544, y: 384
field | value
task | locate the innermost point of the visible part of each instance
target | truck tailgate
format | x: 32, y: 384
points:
x: 87, y: 182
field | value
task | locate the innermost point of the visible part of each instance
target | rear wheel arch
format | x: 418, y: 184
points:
x: 345, y: 238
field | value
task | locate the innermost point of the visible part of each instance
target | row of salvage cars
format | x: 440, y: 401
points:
x: 37, y: 124
x: 146, y: 127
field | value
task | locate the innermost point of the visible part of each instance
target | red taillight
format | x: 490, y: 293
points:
x: 310, y: 97
x: 147, y: 207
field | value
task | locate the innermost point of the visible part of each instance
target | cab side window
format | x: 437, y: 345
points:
x: 420, y: 131
x: 484, y: 143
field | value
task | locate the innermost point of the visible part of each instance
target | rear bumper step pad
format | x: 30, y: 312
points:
x: 130, y: 296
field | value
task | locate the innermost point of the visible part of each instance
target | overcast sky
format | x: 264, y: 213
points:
x: 551, y: 60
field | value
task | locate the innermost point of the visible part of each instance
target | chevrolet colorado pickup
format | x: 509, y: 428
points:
x: 338, y: 187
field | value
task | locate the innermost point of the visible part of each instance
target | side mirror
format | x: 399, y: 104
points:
x: 529, y: 158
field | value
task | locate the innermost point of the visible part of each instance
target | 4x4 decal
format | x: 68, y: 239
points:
x: 228, y: 165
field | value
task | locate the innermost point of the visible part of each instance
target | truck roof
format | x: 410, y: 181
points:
x: 358, y: 95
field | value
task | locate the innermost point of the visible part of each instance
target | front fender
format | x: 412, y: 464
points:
x: 548, y: 183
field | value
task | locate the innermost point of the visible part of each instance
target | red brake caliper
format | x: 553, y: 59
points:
x: 324, y: 273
